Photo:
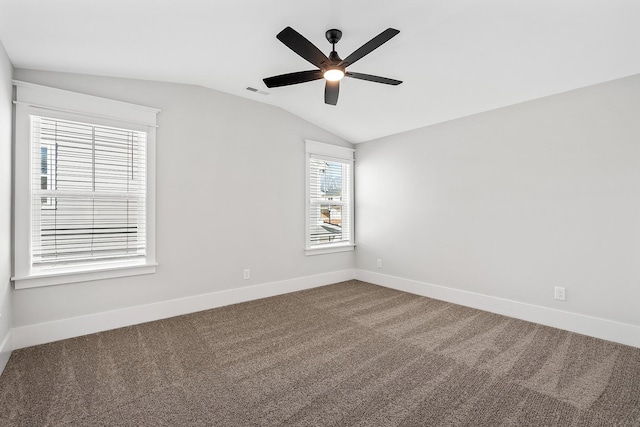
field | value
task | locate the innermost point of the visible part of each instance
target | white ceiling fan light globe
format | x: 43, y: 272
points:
x: 333, y: 75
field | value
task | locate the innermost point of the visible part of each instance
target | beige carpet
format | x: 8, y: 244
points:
x: 350, y: 354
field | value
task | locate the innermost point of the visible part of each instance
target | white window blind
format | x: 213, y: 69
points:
x: 329, y: 197
x: 88, y: 192
x: 330, y: 201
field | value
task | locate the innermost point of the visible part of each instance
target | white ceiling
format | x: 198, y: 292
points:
x: 456, y: 57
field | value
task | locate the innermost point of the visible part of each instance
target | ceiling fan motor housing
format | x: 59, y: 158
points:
x: 335, y: 60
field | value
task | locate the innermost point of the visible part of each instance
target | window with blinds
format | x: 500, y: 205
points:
x: 88, y: 192
x: 329, y: 188
x: 329, y: 191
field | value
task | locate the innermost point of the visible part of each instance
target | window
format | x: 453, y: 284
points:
x: 85, y: 191
x: 329, y: 198
x: 88, y: 199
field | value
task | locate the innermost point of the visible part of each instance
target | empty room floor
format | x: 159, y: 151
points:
x: 349, y: 354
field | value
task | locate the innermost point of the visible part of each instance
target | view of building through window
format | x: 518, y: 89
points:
x: 329, y: 194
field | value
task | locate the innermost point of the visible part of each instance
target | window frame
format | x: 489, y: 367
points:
x: 37, y: 100
x: 315, y: 149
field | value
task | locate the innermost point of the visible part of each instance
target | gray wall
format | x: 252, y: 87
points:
x: 230, y: 195
x: 508, y: 203
x: 513, y: 202
x: 6, y: 120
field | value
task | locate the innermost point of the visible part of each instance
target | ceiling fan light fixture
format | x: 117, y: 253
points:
x: 331, y: 68
x: 333, y: 74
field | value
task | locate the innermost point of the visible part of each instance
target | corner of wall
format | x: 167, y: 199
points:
x: 6, y: 347
x: 6, y: 177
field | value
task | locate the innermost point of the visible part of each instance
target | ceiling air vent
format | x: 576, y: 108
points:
x: 253, y: 89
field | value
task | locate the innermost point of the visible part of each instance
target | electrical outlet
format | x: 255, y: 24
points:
x: 559, y: 293
x: 247, y: 274
x: 379, y: 263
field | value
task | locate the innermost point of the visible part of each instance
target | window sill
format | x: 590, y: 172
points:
x: 74, y: 275
x: 329, y: 249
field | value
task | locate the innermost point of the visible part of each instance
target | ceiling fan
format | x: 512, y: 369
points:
x: 331, y: 68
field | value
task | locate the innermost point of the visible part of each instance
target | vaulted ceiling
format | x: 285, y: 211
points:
x: 456, y: 57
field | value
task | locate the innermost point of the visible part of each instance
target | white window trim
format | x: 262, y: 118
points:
x: 33, y: 99
x: 342, y: 154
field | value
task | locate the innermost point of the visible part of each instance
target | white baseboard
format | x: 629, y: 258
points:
x: 41, y: 333
x: 622, y: 333
x: 5, y: 351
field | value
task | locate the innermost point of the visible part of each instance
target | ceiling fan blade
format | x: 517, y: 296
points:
x: 370, y: 78
x: 303, y: 47
x: 331, y: 91
x: 370, y: 46
x: 292, y: 78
